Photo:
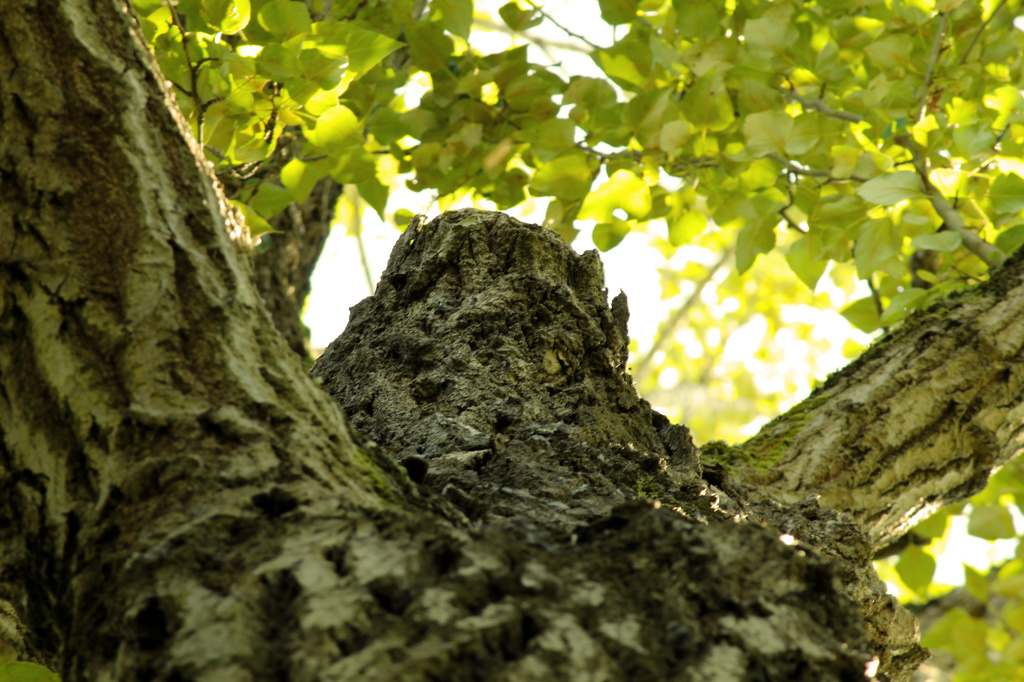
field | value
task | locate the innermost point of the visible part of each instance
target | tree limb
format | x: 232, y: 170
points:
x: 821, y: 107
x: 988, y: 253
x: 933, y: 58
x: 977, y: 34
x: 795, y: 168
x: 643, y: 367
x: 917, y: 422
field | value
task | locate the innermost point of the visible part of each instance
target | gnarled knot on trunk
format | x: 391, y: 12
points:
x: 490, y: 352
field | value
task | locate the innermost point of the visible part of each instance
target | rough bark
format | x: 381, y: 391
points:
x: 489, y: 362
x: 179, y: 501
x: 917, y: 422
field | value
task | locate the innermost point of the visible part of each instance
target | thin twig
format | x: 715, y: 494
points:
x: 643, y: 366
x: 193, y: 70
x: 875, y: 297
x: 577, y: 36
x: 933, y: 59
x: 821, y: 107
x: 356, y: 228
x: 544, y: 44
x: 977, y: 34
x: 797, y: 169
x: 988, y: 253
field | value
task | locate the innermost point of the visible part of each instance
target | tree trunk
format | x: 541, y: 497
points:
x: 179, y: 501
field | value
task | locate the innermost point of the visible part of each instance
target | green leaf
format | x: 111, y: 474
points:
x: 672, y: 136
x: 934, y: 526
x: 285, y: 19
x: 527, y: 92
x: 973, y: 140
x: 772, y: 34
x: 280, y: 61
x: 364, y: 48
x: 1005, y: 100
x: 756, y: 237
x: 257, y: 225
x: 519, y: 19
x: 707, y: 104
x: 957, y: 631
x: 901, y: 305
x: 300, y: 176
x: 946, y: 241
x: 862, y: 314
x: 871, y: 164
x: 1010, y: 240
x: 915, y: 568
x: 890, y: 53
x: 567, y: 177
x: 976, y: 583
x: 146, y: 7
x: 889, y: 189
x: 952, y: 183
x: 991, y: 522
x: 620, y: 67
x: 271, y: 199
x: 809, y: 130
x: 618, y: 11
x: 760, y: 174
x: 375, y: 193
x: 878, y: 241
x: 697, y: 18
x: 336, y: 129
x: 549, y: 138
x: 20, y: 671
x: 1007, y: 193
x: 684, y: 227
x: 608, y: 235
x: 429, y: 48
x: 625, y: 191
x: 767, y: 132
x: 804, y: 258
x: 227, y: 16
x: 454, y: 15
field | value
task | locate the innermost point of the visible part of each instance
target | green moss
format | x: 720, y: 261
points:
x: 648, y: 486
x: 383, y: 474
x: 764, y: 451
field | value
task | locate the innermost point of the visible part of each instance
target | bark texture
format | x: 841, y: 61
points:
x: 178, y: 501
x: 489, y: 363
x: 917, y: 422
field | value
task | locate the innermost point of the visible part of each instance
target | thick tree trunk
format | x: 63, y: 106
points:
x: 179, y: 501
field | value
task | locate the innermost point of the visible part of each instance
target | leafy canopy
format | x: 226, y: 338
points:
x: 830, y: 131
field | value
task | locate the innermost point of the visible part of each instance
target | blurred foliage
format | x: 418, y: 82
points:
x: 26, y: 672
x: 784, y: 158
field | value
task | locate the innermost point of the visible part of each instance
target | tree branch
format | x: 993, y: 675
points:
x: 988, y: 253
x: 821, y: 107
x: 575, y: 35
x: 797, y: 169
x: 977, y: 34
x: 932, y: 60
x: 919, y: 421
x: 643, y: 366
